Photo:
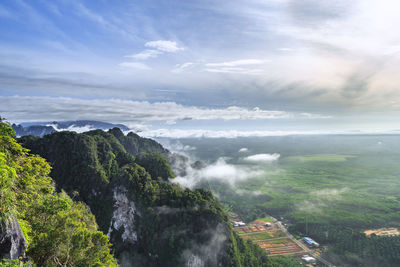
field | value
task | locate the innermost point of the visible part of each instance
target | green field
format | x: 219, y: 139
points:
x: 324, y: 189
x: 257, y: 236
x: 280, y: 241
x: 266, y: 219
x: 330, y: 188
x: 320, y: 157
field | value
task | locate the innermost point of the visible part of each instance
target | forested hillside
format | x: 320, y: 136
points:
x: 38, y: 225
x: 150, y: 221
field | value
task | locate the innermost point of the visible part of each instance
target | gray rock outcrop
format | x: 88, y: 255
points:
x: 12, y: 240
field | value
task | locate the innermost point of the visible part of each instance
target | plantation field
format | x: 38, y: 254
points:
x: 272, y: 239
x: 320, y: 157
x: 258, y: 236
x: 331, y: 188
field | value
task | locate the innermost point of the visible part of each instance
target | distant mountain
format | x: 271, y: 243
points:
x: 87, y: 123
x: 43, y: 128
x: 35, y: 130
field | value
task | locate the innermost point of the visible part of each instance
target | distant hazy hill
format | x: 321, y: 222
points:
x: 35, y: 130
x: 43, y: 128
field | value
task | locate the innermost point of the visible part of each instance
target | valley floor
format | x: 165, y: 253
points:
x: 271, y: 235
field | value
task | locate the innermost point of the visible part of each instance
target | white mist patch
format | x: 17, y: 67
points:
x: 222, y: 170
x: 243, y: 192
x: 206, y: 254
x: 124, y: 216
x: 262, y: 157
x: 219, y: 170
x: 73, y: 128
x: 243, y: 150
x: 178, y: 147
x: 330, y: 193
x: 194, y: 261
x: 320, y: 199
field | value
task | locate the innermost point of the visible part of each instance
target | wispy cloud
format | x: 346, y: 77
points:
x: 159, y: 47
x: 262, y: 158
x: 179, y: 68
x: 242, y: 66
x: 134, y: 65
x: 165, y: 46
x: 236, y: 63
x: 146, y: 54
x: 107, y: 24
x: 235, y: 70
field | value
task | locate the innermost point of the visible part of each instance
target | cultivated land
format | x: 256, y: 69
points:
x: 383, y: 232
x: 271, y: 238
x: 276, y: 240
x: 328, y: 187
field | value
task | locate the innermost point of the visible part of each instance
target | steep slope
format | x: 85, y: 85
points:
x: 136, y: 145
x: 150, y: 221
x: 48, y: 227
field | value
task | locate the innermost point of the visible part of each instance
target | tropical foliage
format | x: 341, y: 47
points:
x: 58, y: 230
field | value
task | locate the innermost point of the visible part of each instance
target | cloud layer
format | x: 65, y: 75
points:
x: 312, y: 57
x: 19, y: 108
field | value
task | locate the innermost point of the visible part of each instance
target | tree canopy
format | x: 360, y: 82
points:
x: 58, y: 230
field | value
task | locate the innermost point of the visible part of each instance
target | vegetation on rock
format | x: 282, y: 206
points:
x: 58, y: 230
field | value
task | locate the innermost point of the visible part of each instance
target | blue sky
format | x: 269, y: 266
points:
x: 281, y: 64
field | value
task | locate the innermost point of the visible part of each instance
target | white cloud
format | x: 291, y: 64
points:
x: 314, y: 116
x: 243, y: 150
x: 236, y: 63
x: 136, y: 127
x: 262, y: 157
x: 118, y: 110
x: 236, y: 71
x: 219, y: 170
x: 182, y: 67
x: 74, y: 128
x: 243, y: 66
x: 134, y: 65
x: 189, y: 133
x: 286, y: 49
x: 165, y: 46
x: 160, y: 47
x: 313, y: 47
x: 146, y: 54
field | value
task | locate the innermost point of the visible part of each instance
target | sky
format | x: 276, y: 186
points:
x: 178, y: 67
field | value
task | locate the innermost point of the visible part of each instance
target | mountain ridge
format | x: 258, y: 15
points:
x: 43, y: 128
x: 150, y: 221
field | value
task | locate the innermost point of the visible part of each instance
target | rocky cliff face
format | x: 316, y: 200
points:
x: 12, y: 240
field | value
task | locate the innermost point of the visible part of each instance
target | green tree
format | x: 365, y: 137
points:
x: 156, y: 165
x: 59, y: 231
